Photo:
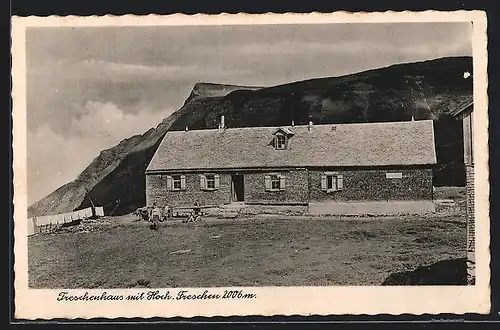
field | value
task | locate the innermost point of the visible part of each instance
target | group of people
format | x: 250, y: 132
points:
x: 195, y: 215
x: 154, y: 214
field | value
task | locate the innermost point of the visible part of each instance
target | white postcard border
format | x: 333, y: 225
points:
x: 43, y: 304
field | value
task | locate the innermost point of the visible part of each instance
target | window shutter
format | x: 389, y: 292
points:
x: 183, y: 182
x: 340, y: 182
x: 282, y: 182
x: 216, y: 181
x: 169, y: 182
x: 268, y: 182
x: 323, y: 182
x: 203, y: 182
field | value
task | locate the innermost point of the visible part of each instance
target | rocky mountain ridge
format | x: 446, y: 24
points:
x: 422, y: 90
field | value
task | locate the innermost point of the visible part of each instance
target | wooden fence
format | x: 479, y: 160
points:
x: 47, y: 222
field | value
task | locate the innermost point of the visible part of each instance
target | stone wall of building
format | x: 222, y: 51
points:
x: 373, y: 185
x: 471, y: 223
x: 157, y: 192
x: 295, y: 191
x: 301, y: 187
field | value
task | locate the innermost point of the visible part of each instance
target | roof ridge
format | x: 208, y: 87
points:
x: 401, y: 122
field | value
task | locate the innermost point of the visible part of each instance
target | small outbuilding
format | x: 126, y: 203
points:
x: 464, y: 112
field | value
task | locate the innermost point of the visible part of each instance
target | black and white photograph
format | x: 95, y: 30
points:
x: 333, y: 154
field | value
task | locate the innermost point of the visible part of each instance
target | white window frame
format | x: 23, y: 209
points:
x: 275, y: 178
x: 280, y: 146
x: 176, y: 178
x: 210, y: 178
x: 172, y: 179
x: 331, y: 182
x: 337, y: 182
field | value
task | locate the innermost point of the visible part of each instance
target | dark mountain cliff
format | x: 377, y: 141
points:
x: 423, y: 90
x: 116, y: 176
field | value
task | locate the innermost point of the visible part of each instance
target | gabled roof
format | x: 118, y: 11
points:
x: 285, y: 130
x: 371, y: 144
x: 464, y: 106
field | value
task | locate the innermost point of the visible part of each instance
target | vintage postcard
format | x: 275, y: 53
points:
x: 277, y: 164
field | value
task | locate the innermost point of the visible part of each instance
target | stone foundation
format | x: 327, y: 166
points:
x: 372, y: 208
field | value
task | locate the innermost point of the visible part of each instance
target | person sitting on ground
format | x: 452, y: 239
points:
x: 144, y: 213
x: 196, y: 210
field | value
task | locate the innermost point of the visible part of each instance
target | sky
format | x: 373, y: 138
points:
x: 90, y: 87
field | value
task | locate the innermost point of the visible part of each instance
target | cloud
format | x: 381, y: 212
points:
x: 108, y: 123
x: 88, y: 88
x: 117, y: 72
x: 117, y: 69
x: 434, y: 47
x: 54, y: 159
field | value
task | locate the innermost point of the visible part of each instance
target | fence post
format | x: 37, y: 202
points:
x: 35, y: 225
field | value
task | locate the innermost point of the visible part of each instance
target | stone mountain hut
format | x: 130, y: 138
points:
x: 337, y: 168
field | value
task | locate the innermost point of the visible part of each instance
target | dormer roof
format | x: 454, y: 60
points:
x: 285, y: 130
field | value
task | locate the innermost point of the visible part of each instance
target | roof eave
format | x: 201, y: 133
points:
x: 177, y: 170
x: 464, y: 107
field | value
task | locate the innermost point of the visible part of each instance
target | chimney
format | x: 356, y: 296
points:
x: 309, y: 127
x: 293, y: 123
x: 412, y: 118
x: 186, y: 129
x: 222, y: 122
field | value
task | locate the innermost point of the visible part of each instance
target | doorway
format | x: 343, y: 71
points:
x: 238, y: 185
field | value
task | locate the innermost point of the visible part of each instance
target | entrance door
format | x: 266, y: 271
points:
x: 238, y: 187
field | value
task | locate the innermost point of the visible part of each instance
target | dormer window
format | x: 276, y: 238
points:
x: 280, y: 141
x: 281, y: 138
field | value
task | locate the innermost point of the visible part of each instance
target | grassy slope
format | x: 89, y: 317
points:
x: 252, y: 252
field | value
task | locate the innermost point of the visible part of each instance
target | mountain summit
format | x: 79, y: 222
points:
x: 402, y: 92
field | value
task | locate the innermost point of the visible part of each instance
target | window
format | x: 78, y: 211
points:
x: 331, y: 181
x: 176, y: 180
x: 394, y: 175
x: 209, y: 181
x: 282, y: 138
x: 280, y: 141
x: 274, y: 182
